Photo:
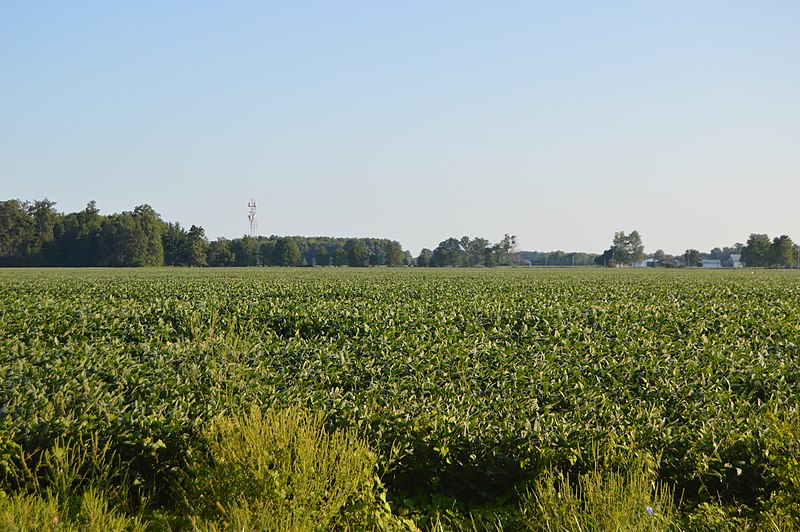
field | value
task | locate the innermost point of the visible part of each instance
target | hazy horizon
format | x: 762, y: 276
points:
x: 559, y: 123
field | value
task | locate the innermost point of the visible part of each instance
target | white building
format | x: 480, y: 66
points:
x: 734, y: 261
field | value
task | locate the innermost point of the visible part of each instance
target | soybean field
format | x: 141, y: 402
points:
x: 468, y: 386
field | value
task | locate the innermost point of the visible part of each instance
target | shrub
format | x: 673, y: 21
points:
x: 281, y: 470
x: 626, y: 497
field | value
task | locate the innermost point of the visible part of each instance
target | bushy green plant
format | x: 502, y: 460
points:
x: 626, y: 498
x: 783, y: 450
x: 281, y: 470
x: 22, y: 513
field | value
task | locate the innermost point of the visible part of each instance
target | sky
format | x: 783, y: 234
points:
x: 557, y: 122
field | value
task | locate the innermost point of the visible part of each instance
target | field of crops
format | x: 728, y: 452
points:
x: 467, y: 384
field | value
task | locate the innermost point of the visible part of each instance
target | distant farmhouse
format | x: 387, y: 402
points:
x: 734, y: 261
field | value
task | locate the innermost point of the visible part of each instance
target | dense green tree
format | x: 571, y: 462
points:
x: 220, y: 254
x: 627, y: 249
x: 758, y: 250
x: 339, y: 256
x: 448, y: 254
x: 491, y: 257
x: 81, y: 240
x: 176, y: 245
x: 377, y: 257
x: 691, y: 257
x: 121, y: 242
x: 358, y: 255
x: 505, y: 249
x: 265, y: 251
x: 46, y: 227
x: 286, y: 252
x: 424, y: 258
x: 475, y: 250
x: 143, y: 237
x: 16, y: 232
x: 619, y: 245
x: 246, y: 250
x: 606, y: 258
x: 394, y: 254
x: 782, y: 252
x: 635, y: 246
x: 323, y: 257
x: 198, y: 246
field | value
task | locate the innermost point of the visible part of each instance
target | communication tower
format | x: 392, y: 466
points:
x: 252, y: 218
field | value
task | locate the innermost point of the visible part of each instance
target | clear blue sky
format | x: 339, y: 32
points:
x: 560, y: 122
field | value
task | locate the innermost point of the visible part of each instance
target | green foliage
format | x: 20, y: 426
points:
x: 783, y: 451
x: 286, y: 252
x: 626, y: 249
x: 358, y: 255
x: 74, y: 485
x: 467, y: 384
x: 282, y: 471
x: 782, y: 252
x: 757, y: 251
x: 624, y: 497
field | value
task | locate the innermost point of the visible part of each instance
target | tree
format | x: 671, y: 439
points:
x: 198, y: 245
x: 394, y: 254
x: 424, y: 258
x: 286, y: 252
x: 358, y: 256
x: 246, y: 250
x: 627, y: 249
x: 757, y: 251
x: 45, y: 219
x: 635, y: 247
x: 149, y: 246
x: 475, y: 251
x: 265, y: 252
x: 691, y: 257
x: 84, y: 250
x: 606, y: 258
x: 782, y: 252
x: 505, y: 248
x: 323, y: 257
x: 16, y: 230
x: 220, y: 254
x: 122, y: 242
x: 176, y: 245
x: 448, y: 253
x: 339, y: 257
x: 619, y: 247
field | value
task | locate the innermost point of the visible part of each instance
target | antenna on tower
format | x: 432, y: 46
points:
x: 252, y: 218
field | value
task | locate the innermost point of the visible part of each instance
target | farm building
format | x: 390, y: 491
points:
x: 734, y: 261
x: 711, y: 263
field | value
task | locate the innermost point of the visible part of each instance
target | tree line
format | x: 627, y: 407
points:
x: 759, y: 251
x: 35, y: 234
x: 469, y: 252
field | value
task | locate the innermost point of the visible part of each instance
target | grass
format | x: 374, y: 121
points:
x: 624, y: 497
